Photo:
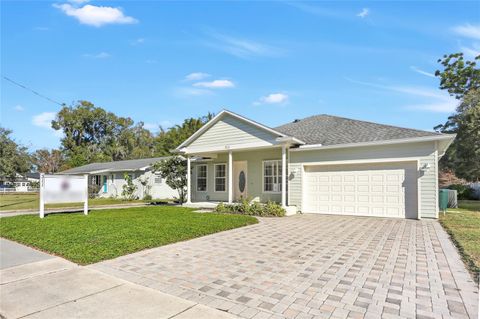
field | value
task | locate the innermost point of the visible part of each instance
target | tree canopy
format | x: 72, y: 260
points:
x: 168, y: 140
x: 14, y: 158
x: 462, y: 79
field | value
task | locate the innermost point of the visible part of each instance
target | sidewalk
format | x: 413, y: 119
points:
x: 51, y: 287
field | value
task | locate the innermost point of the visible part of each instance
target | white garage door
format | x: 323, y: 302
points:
x: 386, y: 189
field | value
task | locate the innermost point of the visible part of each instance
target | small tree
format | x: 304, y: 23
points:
x: 174, y: 171
x: 145, y: 182
x: 129, y: 188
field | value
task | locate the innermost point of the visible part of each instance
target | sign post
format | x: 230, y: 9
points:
x: 63, y: 189
x: 42, y: 202
x: 85, y: 203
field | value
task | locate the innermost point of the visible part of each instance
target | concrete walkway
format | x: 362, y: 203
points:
x: 14, y: 254
x: 37, y: 285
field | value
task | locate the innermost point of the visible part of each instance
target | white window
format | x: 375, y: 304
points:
x: 220, y: 177
x: 272, y: 176
x: 95, y: 180
x: 201, y: 178
x: 158, y: 179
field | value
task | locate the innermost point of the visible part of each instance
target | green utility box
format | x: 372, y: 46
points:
x: 443, y: 199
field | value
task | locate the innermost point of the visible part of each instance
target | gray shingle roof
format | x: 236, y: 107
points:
x: 117, y: 166
x: 333, y: 130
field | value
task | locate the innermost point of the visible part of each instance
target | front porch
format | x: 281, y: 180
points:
x: 257, y: 175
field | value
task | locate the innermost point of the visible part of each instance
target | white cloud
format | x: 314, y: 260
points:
x: 273, y: 98
x: 438, y: 101
x: 471, y: 52
x: 468, y: 31
x: 364, y: 13
x: 138, y: 41
x: 183, y: 92
x: 96, y: 16
x: 196, y: 76
x: 19, y: 108
x: 420, y: 71
x: 240, y: 47
x: 78, y: 1
x: 215, y: 84
x: 41, y: 28
x: 44, y: 119
x: 101, y: 55
x: 440, y: 107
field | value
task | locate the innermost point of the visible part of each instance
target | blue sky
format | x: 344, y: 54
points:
x: 161, y: 62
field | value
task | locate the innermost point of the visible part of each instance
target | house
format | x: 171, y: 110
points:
x: 22, y: 183
x: 320, y: 164
x: 110, y: 178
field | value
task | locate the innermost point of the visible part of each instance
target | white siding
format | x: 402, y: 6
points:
x: 230, y: 131
x: 423, y: 151
x: 157, y: 190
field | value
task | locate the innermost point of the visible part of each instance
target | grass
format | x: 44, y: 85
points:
x: 31, y: 201
x: 469, y: 205
x: 112, y: 233
x: 463, y: 226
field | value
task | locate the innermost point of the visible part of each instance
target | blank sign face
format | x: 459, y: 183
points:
x: 64, y: 189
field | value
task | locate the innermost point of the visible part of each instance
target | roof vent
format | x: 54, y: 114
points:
x: 296, y: 120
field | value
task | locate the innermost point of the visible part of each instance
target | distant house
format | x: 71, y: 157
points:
x: 22, y: 182
x: 109, y: 177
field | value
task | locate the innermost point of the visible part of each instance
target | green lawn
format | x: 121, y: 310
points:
x: 469, y: 204
x: 108, y: 234
x: 463, y: 225
x: 31, y: 201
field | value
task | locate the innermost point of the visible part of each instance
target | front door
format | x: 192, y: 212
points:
x: 239, y: 180
x: 105, y: 184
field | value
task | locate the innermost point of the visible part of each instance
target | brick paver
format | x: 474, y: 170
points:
x: 312, y: 266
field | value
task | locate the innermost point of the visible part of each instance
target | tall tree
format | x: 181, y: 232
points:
x: 462, y: 79
x: 168, y: 140
x: 47, y: 161
x: 92, y: 134
x: 14, y: 158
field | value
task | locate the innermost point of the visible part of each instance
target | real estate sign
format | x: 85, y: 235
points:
x: 63, y: 189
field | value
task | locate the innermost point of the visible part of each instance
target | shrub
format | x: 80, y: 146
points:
x: 147, y: 197
x: 129, y: 188
x: 93, y: 190
x: 463, y: 191
x: 245, y: 207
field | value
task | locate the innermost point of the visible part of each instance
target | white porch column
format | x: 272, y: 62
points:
x: 284, y: 175
x: 230, y: 177
x: 189, y: 181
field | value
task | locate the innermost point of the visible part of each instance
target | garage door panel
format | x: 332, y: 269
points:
x: 364, y: 190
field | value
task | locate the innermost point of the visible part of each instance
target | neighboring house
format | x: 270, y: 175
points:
x: 22, y: 182
x: 109, y: 177
x: 321, y: 164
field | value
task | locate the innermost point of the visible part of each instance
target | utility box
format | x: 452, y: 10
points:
x: 452, y: 198
x: 443, y: 199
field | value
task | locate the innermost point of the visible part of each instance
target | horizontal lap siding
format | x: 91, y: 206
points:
x: 230, y: 132
x: 429, y: 193
x: 295, y: 185
x: 424, y: 151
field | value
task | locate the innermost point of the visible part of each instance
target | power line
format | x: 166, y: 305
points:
x: 33, y: 91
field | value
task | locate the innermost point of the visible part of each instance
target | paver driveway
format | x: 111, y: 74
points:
x: 313, y: 266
